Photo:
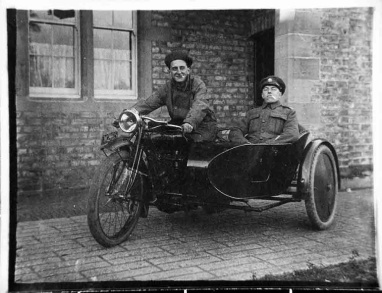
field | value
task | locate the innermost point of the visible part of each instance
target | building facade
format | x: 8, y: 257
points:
x: 76, y: 70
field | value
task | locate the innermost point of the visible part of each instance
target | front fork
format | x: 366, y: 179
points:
x: 135, y: 166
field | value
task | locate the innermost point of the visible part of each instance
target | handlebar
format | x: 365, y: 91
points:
x: 162, y: 123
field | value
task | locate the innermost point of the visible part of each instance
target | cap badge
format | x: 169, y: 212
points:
x: 269, y: 79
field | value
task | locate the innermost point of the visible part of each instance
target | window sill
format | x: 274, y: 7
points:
x: 112, y: 97
x: 54, y: 97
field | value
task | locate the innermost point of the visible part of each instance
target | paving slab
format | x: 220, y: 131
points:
x: 231, y: 245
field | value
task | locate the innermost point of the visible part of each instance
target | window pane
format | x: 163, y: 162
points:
x: 63, y: 15
x: 102, y: 39
x: 63, y: 41
x: 63, y: 72
x: 41, y: 14
x: 55, y: 15
x: 62, y: 50
x: 40, y: 33
x: 103, y: 18
x: 123, y: 19
x: 40, y: 71
x: 121, y: 40
x: 122, y: 73
x: 103, y: 74
x: 103, y: 54
x: 40, y: 50
x: 121, y: 55
x: 103, y: 44
x: 63, y: 35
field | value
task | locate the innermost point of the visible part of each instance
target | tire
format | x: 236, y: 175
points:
x: 112, y: 216
x: 321, y: 200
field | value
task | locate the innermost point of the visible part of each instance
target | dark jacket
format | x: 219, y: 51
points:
x: 270, y: 123
x: 186, y: 103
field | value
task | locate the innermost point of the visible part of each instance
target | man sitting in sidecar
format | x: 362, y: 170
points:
x: 257, y: 169
x: 270, y: 123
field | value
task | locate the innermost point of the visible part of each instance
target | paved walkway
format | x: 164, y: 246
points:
x: 231, y: 245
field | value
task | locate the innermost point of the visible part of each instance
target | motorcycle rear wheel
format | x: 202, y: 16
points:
x: 114, y: 205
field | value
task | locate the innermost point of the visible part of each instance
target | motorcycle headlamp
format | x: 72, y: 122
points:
x: 129, y: 120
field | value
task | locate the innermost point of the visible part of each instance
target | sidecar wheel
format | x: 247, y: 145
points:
x: 321, y: 200
x: 114, y: 207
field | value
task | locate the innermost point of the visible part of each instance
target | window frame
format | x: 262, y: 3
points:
x: 121, y: 94
x: 66, y: 93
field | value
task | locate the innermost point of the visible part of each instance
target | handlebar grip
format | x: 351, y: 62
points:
x: 175, y: 126
x: 163, y: 123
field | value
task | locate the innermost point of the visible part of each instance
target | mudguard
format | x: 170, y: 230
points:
x: 303, y: 174
x: 116, y: 144
x: 122, y: 144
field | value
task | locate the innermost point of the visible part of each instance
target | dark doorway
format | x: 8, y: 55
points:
x: 264, y: 59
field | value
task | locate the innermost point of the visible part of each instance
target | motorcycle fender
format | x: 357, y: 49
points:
x: 304, y: 169
x: 116, y: 144
x: 120, y: 144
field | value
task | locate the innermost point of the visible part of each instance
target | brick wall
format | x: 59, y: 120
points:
x: 223, y: 56
x: 344, y: 87
x: 58, y: 151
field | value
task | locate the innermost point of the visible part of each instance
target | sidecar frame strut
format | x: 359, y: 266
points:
x: 248, y: 204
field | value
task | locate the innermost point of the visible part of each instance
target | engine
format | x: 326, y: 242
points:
x: 167, y: 159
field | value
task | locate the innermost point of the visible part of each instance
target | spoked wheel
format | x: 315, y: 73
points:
x: 115, y: 201
x: 321, y: 201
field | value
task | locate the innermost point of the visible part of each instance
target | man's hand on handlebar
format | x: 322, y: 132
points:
x: 187, y: 128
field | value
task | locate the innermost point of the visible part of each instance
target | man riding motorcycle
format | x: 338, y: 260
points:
x: 186, y: 98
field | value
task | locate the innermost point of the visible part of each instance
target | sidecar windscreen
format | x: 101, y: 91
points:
x: 250, y: 171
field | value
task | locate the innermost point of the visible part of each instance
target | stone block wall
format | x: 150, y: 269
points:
x: 344, y: 88
x: 325, y: 56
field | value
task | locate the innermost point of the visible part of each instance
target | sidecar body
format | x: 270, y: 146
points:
x: 224, y: 173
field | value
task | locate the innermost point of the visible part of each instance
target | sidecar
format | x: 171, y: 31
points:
x: 156, y: 164
x: 225, y: 175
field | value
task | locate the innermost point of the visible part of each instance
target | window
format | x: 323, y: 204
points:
x: 53, y: 54
x: 115, y: 54
x: 60, y: 42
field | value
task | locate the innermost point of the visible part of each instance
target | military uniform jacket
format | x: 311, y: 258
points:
x: 186, y: 103
x: 270, y: 123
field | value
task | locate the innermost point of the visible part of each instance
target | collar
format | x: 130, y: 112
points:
x: 271, y: 105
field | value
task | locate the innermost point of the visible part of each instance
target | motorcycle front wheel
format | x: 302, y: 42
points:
x: 115, y: 200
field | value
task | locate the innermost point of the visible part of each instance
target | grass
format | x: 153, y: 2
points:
x: 355, y: 273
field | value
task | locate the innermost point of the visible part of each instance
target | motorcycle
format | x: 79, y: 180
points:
x: 153, y: 163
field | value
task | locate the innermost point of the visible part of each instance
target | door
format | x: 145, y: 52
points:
x: 264, y: 63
